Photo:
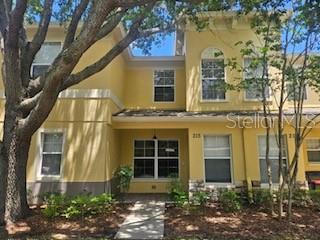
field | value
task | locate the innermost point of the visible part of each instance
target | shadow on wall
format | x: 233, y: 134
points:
x: 84, y: 166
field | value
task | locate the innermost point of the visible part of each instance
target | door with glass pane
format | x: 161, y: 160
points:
x: 217, y: 158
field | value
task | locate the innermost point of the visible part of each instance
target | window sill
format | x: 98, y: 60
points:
x: 214, y: 101
x: 48, y: 179
x: 257, y: 100
x: 153, y: 180
x: 219, y: 185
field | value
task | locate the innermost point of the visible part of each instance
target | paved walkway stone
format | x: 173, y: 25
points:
x: 146, y: 221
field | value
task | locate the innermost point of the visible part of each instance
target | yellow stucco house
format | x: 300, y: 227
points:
x: 160, y: 115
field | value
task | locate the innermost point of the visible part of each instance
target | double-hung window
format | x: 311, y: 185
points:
x: 213, y: 79
x: 217, y: 157
x: 255, y: 81
x: 163, y: 82
x: 44, y: 58
x: 273, y: 157
x: 293, y: 92
x: 156, y: 158
x: 51, y: 153
x: 313, y: 150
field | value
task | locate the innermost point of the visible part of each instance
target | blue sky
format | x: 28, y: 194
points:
x: 165, y: 49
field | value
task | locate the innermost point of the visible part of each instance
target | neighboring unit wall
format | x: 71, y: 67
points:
x: 139, y: 86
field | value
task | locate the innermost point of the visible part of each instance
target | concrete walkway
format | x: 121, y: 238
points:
x: 146, y: 221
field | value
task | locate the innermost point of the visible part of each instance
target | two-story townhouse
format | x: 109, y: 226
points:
x: 160, y: 115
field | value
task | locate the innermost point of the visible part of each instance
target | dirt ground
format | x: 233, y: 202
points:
x: 38, y: 227
x: 213, y: 223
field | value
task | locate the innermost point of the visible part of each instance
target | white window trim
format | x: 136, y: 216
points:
x: 154, y: 86
x: 202, y: 100
x: 269, y: 99
x: 311, y: 150
x: 41, y: 177
x: 218, y: 184
x: 259, y: 158
x: 155, y: 158
x: 43, y: 63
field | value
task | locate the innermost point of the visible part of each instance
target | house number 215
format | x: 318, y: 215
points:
x: 196, y: 135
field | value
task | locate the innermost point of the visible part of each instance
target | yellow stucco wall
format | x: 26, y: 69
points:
x: 139, y: 89
x: 127, y: 138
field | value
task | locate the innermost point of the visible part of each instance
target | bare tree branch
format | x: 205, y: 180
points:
x: 76, y: 16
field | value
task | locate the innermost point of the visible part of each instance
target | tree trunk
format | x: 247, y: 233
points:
x: 292, y: 181
x: 3, y: 184
x: 17, y: 149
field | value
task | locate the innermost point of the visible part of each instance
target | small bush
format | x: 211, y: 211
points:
x: 261, y: 198
x: 80, y: 205
x: 301, y: 198
x: 177, y: 193
x: 124, y: 174
x: 230, y: 201
x: 315, y: 198
x: 200, y: 198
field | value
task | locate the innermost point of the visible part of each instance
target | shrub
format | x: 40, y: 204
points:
x: 230, y: 201
x: 80, y: 205
x: 315, y: 198
x: 261, y: 197
x: 200, y: 198
x: 177, y: 193
x: 301, y: 198
x: 124, y: 174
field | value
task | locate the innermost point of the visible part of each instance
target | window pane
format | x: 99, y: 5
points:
x: 164, y: 94
x: 168, y: 167
x: 37, y: 70
x: 48, y: 52
x: 218, y: 170
x: 216, y: 146
x: 273, y: 147
x: 254, y: 92
x: 314, y: 156
x: 313, y: 144
x: 51, y: 164
x: 144, y: 168
x: 274, y: 170
x: 52, y: 142
x: 213, y: 89
x: 168, y: 148
x: 252, y: 69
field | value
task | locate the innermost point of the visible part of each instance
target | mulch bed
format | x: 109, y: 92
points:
x: 250, y: 223
x: 39, y: 227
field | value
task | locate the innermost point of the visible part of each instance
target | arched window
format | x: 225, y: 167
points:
x: 212, y: 75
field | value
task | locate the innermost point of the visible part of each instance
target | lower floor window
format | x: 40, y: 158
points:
x: 313, y: 150
x: 273, y: 156
x: 51, y: 153
x: 156, y: 158
x: 217, y: 157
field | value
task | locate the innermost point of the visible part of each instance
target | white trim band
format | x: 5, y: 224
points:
x: 86, y: 94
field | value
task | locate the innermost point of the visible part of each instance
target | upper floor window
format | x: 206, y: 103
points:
x: 163, y: 82
x: 293, y: 92
x: 212, y: 75
x: 44, y: 58
x: 313, y: 150
x: 253, y: 76
x: 51, y: 153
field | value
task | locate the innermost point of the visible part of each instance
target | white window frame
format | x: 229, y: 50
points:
x: 311, y: 150
x: 201, y: 80
x: 218, y: 184
x: 263, y: 184
x: 156, y: 158
x: 154, y: 85
x: 44, y: 63
x: 39, y: 175
x: 245, y: 91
